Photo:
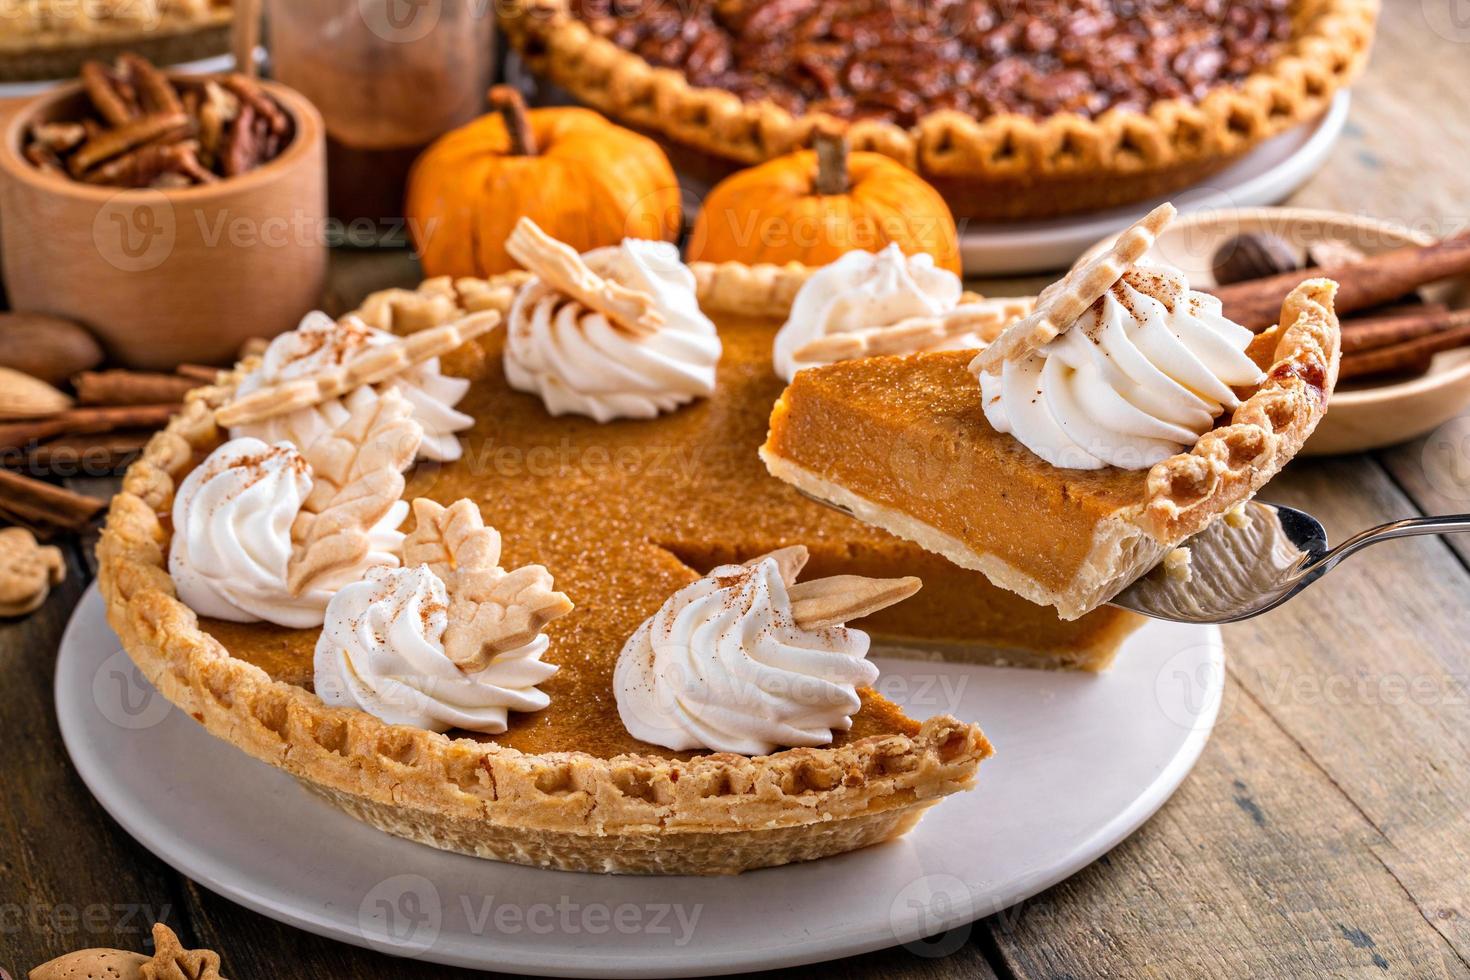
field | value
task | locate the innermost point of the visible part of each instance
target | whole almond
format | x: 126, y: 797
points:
x: 46, y: 347
x: 25, y: 397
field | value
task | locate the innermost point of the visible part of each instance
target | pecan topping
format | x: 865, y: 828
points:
x: 902, y: 59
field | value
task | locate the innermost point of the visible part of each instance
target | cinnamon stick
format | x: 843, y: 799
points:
x: 1411, y: 356
x: 1371, y: 333
x: 40, y: 503
x: 200, y: 374
x: 100, y: 454
x: 1377, y: 279
x: 1396, y: 309
x: 19, y: 436
x: 122, y: 387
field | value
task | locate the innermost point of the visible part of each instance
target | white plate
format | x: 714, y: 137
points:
x: 1081, y: 761
x: 216, y: 65
x: 1267, y: 175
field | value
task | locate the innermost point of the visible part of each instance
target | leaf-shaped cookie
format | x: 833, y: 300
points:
x: 490, y: 610
x: 357, y: 477
x: 27, y: 571
x: 171, y: 961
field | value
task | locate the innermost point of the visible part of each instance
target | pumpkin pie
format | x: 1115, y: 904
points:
x: 625, y: 514
x: 1025, y: 109
x: 1067, y: 524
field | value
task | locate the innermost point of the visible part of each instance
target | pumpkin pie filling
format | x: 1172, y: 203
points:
x: 928, y: 409
x: 628, y: 512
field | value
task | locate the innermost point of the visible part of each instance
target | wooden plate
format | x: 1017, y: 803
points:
x: 1362, y: 415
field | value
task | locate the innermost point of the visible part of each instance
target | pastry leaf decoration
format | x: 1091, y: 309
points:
x: 490, y: 610
x: 357, y: 477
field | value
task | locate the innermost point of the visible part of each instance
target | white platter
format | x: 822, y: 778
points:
x: 1081, y: 761
x: 1267, y: 175
x: 216, y: 65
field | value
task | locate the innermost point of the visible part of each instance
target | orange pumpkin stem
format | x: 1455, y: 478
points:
x: 831, y: 147
x: 505, y: 100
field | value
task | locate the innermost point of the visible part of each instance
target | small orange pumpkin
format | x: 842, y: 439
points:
x: 587, y: 182
x: 815, y: 205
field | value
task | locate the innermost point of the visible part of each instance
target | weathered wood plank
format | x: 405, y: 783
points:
x: 1435, y: 473
x: 1258, y: 867
x: 1369, y: 673
x: 1408, y: 134
x: 69, y: 877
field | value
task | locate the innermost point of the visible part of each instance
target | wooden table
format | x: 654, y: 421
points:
x: 1324, y: 831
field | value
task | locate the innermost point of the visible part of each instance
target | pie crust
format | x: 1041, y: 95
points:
x: 1002, y: 166
x: 1176, y: 498
x: 709, y: 814
x: 52, y: 38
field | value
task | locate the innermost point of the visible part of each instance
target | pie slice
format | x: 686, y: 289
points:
x: 911, y: 445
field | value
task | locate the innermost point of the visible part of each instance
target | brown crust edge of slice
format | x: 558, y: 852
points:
x: 1229, y: 464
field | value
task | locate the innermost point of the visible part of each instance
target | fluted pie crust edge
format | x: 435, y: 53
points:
x: 30, y: 53
x: 714, y: 814
x: 1001, y: 166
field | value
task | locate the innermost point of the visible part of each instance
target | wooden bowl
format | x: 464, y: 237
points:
x: 1362, y: 415
x: 167, y: 276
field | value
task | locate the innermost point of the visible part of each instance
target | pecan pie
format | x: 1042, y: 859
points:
x: 53, y: 38
x: 1022, y: 108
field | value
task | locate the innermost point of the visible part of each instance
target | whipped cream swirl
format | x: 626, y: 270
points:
x: 723, y: 666
x: 320, y: 343
x: 231, y: 545
x: 1140, y: 377
x: 580, y: 363
x: 860, y: 290
x: 382, y: 650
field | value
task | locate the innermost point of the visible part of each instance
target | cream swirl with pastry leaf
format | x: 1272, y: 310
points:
x: 582, y: 357
x: 320, y: 344
x: 452, y: 640
x: 267, y: 532
x: 1140, y: 376
x: 232, y: 544
x: 863, y: 290
x: 382, y: 650
x: 744, y: 660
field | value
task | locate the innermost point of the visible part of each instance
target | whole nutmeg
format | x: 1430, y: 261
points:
x: 46, y: 347
x: 1253, y: 255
